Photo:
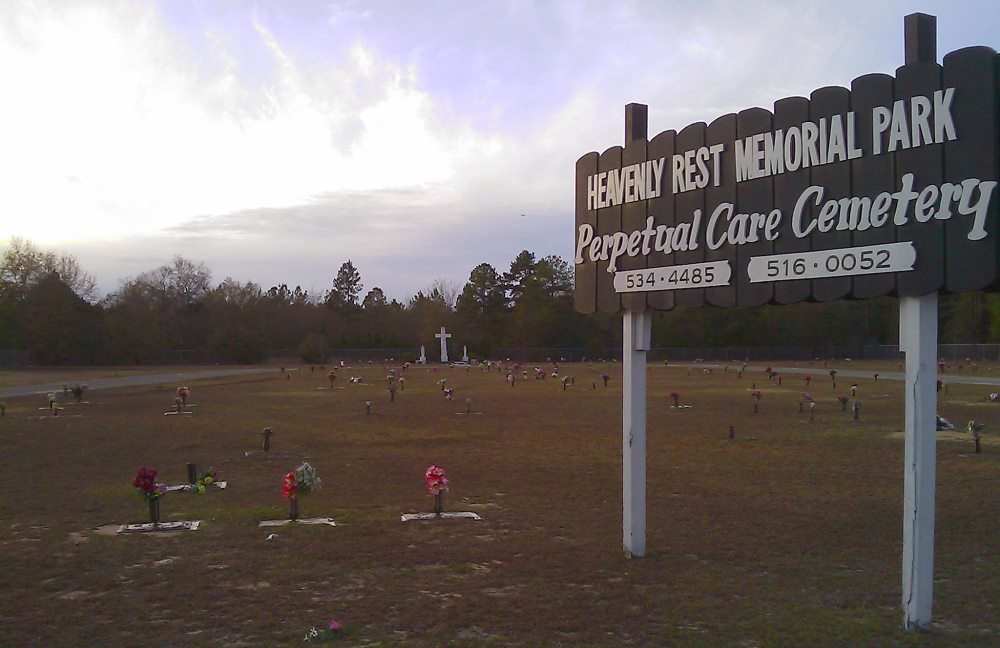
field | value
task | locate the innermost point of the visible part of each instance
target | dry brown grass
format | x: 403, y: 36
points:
x: 789, y: 535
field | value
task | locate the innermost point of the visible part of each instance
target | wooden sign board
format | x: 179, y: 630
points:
x: 888, y: 187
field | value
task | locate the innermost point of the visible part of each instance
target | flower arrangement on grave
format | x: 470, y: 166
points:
x: 183, y: 393
x: 449, y: 393
x: 808, y: 380
x: 145, y: 484
x: 974, y: 428
x: 807, y: 397
x: 437, y: 484
x: 842, y: 399
x: 205, y: 479
x: 756, y: 394
x: 605, y: 377
x: 940, y: 385
x: 993, y: 397
x: 677, y: 399
x: 326, y: 634
x: 301, y: 481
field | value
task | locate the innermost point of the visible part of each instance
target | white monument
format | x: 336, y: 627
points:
x: 444, y: 343
x: 465, y: 353
x: 423, y: 355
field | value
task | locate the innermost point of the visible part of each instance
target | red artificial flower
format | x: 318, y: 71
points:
x: 289, y: 486
x: 756, y: 394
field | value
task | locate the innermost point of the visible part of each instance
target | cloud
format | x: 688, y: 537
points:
x: 127, y: 135
x: 280, y: 138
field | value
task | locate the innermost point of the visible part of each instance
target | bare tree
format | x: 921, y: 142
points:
x: 24, y: 265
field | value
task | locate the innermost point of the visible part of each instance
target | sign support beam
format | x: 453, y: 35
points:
x: 918, y: 339
x: 636, y: 328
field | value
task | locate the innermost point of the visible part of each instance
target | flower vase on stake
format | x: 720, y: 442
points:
x: 145, y: 484
x: 301, y: 481
x: 437, y: 484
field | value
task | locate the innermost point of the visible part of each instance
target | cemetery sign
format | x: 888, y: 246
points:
x: 886, y: 188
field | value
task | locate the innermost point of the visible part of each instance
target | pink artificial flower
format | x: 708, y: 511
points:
x: 807, y: 396
x: 335, y: 625
x: 436, y: 481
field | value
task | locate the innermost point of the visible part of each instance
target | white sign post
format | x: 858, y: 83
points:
x: 444, y: 344
x: 918, y: 340
x: 636, y: 336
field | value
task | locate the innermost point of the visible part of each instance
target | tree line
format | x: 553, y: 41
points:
x: 50, y: 306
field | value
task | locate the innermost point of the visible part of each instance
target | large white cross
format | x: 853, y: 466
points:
x: 444, y: 344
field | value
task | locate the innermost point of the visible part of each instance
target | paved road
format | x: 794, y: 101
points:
x: 966, y: 378
x: 132, y: 381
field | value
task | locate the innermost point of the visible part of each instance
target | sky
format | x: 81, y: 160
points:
x: 274, y: 140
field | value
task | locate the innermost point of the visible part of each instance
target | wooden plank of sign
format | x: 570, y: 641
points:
x: 661, y: 209
x: 973, y: 72
x: 585, y: 281
x: 691, y: 138
x: 925, y: 162
x: 722, y: 131
x: 835, y: 178
x: 753, y: 197
x: 609, y: 221
x: 871, y: 175
x: 788, y: 186
x: 633, y: 219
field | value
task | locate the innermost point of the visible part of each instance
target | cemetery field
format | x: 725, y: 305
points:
x: 787, y: 534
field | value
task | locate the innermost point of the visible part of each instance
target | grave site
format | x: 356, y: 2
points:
x: 768, y: 523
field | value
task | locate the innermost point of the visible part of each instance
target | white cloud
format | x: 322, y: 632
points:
x: 112, y: 130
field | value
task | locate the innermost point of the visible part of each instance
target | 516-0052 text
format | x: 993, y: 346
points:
x: 840, y: 262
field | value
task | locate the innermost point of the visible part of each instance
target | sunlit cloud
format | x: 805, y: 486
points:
x: 273, y: 140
